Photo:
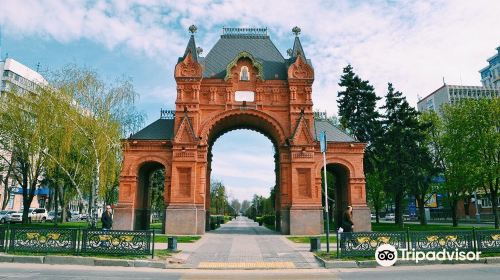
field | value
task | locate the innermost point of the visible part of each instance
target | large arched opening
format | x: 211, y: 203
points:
x: 338, y: 184
x: 247, y: 124
x: 149, y: 202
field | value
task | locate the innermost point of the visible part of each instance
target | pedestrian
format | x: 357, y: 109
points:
x: 347, y: 223
x: 107, y: 219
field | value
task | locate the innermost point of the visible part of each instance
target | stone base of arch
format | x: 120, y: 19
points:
x: 123, y: 216
x: 185, y: 219
x: 361, y: 217
x: 305, y: 220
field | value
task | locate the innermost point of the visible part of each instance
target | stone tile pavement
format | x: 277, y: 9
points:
x: 242, y: 243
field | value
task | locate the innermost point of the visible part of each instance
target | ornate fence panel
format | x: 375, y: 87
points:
x: 3, y: 235
x: 365, y: 243
x: 118, y: 242
x: 437, y: 241
x: 43, y: 240
x: 488, y: 240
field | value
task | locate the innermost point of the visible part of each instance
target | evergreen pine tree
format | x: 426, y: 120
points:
x: 358, y: 106
x: 402, y: 138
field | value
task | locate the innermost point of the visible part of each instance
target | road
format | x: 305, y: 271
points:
x: 60, y: 272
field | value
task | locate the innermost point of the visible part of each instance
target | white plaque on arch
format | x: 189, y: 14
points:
x: 244, y: 95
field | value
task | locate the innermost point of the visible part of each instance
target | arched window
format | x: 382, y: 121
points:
x: 244, y: 74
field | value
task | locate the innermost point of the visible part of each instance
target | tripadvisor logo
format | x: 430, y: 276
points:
x: 387, y: 255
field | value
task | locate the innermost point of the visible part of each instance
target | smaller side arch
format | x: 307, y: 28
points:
x: 336, y: 160
x: 132, y: 168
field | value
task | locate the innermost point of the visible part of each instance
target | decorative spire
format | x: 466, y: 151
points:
x: 289, y: 52
x: 297, y: 46
x: 191, y: 47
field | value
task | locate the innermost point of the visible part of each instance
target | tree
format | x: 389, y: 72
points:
x: 104, y: 115
x: 27, y: 132
x: 401, y: 132
x: 375, y: 192
x: 471, y: 151
x: 236, y: 205
x: 218, y: 197
x: 245, y: 204
x: 357, y: 106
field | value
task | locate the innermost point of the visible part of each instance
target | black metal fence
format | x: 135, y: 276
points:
x: 437, y: 241
x: 117, y: 242
x: 366, y: 243
x: 43, y: 240
x: 488, y: 240
x: 76, y: 241
x: 3, y: 235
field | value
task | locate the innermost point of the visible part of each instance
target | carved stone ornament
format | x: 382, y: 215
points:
x: 188, y: 67
x: 300, y: 70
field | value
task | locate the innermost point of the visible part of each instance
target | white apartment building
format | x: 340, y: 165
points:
x: 16, y: 76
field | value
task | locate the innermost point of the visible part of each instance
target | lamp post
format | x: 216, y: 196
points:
x: 327, y: 219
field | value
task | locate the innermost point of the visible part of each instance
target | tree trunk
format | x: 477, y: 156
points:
x: 467, y: 200
x: 62, y: 202
x: 421, y: 209
x: 398, y: 201
x: 377, y: 211
x: 454, y: 217
x: 494, y: 204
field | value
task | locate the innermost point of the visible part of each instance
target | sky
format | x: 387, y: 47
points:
x: 413, y: 44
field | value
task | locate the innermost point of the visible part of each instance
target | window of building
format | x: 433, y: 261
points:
x: 5, y: 73
x: 11, y: 201
x: 244, y: 74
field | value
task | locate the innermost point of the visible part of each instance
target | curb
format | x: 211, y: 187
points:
x: 85, y: 261
x: 331, y: 264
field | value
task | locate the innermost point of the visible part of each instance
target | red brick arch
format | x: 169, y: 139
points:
x: 206, y: 108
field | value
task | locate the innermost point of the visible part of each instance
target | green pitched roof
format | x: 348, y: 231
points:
x: 333, y: 133
x: 161, y: 129
x: 258, y: 45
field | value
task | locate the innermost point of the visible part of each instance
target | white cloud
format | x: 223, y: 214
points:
x: 410, y: 43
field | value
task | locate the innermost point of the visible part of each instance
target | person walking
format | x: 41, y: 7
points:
x: 347, y: 223
x: 107, y: 218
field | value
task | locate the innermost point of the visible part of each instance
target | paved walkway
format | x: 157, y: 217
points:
x: 242, y: 243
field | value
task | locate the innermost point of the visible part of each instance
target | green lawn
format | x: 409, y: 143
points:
x: 306, y: 239
x: 416, y: 227
x: 180, y: 239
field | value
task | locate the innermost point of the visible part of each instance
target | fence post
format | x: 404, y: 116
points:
x: 474, y: 239
x: 338, y: 245
x: 408, y: 238
x: 153, y: 248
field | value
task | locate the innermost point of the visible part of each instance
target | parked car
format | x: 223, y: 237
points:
x: 390, y: 217
x: 51, y: 216
x: 4, y: 214
x: 37, y: 215
x: 16, y: 217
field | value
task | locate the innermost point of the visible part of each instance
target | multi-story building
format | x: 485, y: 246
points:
x: 20, y: 78
x: 449, y: 94
x: 16, y: 76
x: 490, y: 75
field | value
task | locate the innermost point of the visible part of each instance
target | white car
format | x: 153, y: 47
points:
x: 4, y: 215
x: 37, y: 214
x: 390, y: 217
x: 16, y: 217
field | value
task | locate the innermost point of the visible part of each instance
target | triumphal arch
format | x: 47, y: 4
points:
x: 243, y: 82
